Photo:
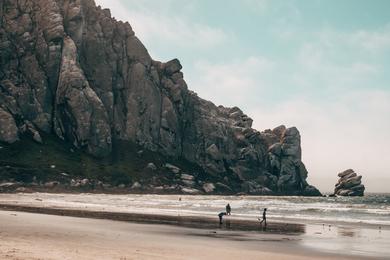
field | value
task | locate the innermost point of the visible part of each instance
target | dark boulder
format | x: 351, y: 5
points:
x: 349, y: 184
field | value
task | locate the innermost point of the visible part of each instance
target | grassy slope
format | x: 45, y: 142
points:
x: 25, y: 159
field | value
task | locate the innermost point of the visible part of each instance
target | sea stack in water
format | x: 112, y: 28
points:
x: 349, y: 184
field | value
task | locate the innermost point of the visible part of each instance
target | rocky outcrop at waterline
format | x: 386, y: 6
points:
x: 349, y: 184
x: 70, y: 70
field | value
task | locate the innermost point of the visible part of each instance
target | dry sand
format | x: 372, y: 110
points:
x: 40, y: 236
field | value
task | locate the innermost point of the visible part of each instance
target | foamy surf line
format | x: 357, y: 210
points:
x: 281, y: 209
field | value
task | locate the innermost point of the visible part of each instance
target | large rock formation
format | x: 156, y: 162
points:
x: 69, y: 69
x: 349, y: 184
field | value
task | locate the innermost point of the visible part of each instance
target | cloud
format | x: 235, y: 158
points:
x: 371, y: 41
x: 330, y: 62
x: 363, y: 41
x: 258, y: 6
x: 229, y: 83
x: 152, y: 24
x: 321, y: 66
x: 351, y: 132
x: 285, y: 26
x: 176, y: 31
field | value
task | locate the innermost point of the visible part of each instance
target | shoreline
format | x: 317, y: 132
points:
x: 78, y: 201
x: 202, y: 222
x: 31, y: 236
x: 350, y: 242
x: 182, y: 218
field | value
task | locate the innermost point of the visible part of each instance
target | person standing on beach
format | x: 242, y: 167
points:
x: 220, y: 215
x: 264, y: 217
x: 228, y: 209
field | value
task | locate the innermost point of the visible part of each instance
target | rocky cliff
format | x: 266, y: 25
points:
x: 349, y: 184
x: 68, y: 69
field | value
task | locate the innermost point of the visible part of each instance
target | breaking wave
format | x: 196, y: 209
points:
x: 370, y: 209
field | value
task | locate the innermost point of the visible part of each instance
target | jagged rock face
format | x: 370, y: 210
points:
x: 349, y: 184
x: 284, y: 152
x: 69, y: 69
x: 8, y: 129
x: 79, y: 114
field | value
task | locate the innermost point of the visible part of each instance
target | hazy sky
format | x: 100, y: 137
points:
x: 322, y: 66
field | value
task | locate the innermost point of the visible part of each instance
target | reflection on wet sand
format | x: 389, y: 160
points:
x: 273, y: 227
x: 347, y: 232
x: 203, y: 222
x: 357, y: 240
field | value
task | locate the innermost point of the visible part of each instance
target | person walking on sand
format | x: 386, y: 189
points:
x: 264, y: 217
x: 220, y: 215
x: 228, y: 209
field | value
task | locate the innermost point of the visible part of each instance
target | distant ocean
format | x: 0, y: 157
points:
x: 370, y: 209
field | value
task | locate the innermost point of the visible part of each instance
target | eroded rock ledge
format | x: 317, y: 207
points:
x: 69, y: 69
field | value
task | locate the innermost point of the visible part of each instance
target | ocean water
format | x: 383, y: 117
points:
x: 370, y: 209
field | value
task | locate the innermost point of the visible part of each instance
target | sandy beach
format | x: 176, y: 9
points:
x: 40, y: 236
x: 62, y: 226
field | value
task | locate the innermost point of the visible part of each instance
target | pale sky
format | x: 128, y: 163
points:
x: 320, y: 65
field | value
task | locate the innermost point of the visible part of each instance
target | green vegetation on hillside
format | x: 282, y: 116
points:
x: 27, y: 161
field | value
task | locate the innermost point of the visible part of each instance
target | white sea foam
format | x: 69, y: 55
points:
x: 372, y: 209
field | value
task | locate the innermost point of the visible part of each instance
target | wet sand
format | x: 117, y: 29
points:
x: 202, y: 222
x: 41, y: 236
x: 235, y: 237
